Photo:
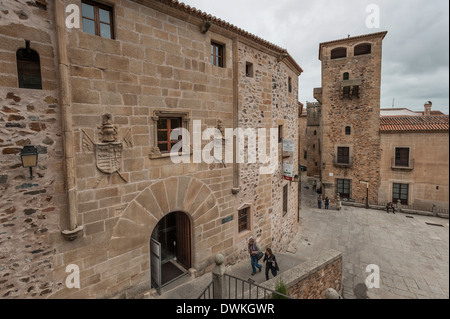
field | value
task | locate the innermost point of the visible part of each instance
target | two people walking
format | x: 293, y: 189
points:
x: 326, y: 201
x: 269, y: 258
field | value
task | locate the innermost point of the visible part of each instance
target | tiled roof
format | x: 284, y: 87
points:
x: 437, y: 123
x: 227, y: 26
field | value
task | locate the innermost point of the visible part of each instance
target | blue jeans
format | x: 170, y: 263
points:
x: 255, y: 263
x: 320, y: 205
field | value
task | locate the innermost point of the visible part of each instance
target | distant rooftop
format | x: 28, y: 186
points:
x: 432, y: 123
x: 406, y: 112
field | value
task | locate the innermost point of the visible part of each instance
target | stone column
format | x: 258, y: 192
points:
x: 218, y: 276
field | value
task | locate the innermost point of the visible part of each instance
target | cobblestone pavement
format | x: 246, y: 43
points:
x: 413, y: 257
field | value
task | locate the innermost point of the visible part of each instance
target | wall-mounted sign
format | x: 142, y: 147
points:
x: 288, y: 159
x: 227, y: 219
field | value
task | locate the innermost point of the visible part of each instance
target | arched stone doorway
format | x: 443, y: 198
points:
x: 170, y: 250
x: 135, y: 225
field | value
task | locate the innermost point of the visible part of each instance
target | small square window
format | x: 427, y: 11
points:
x: 217, y: 54
x: 343, y: 155
x: 249, y: 70
x: 402, y: 156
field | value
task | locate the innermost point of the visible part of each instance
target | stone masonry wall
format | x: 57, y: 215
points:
x: 156, y: 63
x: 30, y: 210
x: 266, y: 103
x: 428, y: 180
x: 312, y: 278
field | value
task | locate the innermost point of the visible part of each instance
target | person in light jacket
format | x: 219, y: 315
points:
x: 253, y: 250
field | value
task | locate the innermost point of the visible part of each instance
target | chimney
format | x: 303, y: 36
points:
x: 428, y: 106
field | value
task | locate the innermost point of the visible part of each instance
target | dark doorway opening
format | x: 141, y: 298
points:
x: 173, y: 258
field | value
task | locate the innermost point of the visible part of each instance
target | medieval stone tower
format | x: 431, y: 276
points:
x: 350, y: 116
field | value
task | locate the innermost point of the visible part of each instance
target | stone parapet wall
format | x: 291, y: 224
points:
x: 312, y: 278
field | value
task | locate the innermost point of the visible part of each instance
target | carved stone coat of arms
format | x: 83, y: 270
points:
x: 108, y: 153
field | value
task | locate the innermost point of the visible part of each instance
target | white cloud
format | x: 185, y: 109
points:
x: 415, y: 52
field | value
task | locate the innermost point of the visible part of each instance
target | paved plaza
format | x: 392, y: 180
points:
x: 413, y: 256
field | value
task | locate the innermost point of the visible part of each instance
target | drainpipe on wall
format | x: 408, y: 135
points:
x: 66, y: 119
x: 236, y: 183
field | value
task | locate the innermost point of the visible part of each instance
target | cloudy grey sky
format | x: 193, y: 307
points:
x: 415, y: 51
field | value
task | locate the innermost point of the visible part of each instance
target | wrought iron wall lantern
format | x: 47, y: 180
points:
x: 29, y: 158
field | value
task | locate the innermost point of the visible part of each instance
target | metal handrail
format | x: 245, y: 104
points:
x: 259, y: 292
x: 207, y: 291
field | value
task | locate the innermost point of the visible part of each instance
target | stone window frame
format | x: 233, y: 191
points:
x: 244, y: 234
x: 336, y: 149
x: 185, y: 116
x: 100, y: 5
x: 402, y: 183
x: 247, y: 209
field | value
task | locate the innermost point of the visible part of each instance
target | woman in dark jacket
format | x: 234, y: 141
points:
x: 271, y: 263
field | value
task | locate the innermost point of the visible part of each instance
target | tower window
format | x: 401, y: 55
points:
x: 290, y: 84
x: 28, y: 68
x: 362, y: 49
x: 346, y: 76
x: 338, y: 53
x: 348, y: 130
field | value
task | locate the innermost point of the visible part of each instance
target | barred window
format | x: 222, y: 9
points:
x: 244, y: 219
x: 343, y: 155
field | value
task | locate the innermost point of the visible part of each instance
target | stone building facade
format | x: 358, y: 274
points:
x: 415, y: 160
x: 313, y: 139
x: 104, y: 185
x: 400, y: 153
x: 350, y: 116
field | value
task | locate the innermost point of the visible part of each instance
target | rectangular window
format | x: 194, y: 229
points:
x: 400, y: 192
x: 402, y: 157
x: 249, y: 70
x: 290, y: 84
x: 280, y: 133
x: 217, y: 54
x: 343, y: 155
x: 285, y: 199
x: 243, y: 219
x: 343, y: 188
x: 165, y: 128
x: 97, y: 19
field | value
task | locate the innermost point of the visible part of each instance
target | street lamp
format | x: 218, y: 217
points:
x: 29, y: 158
